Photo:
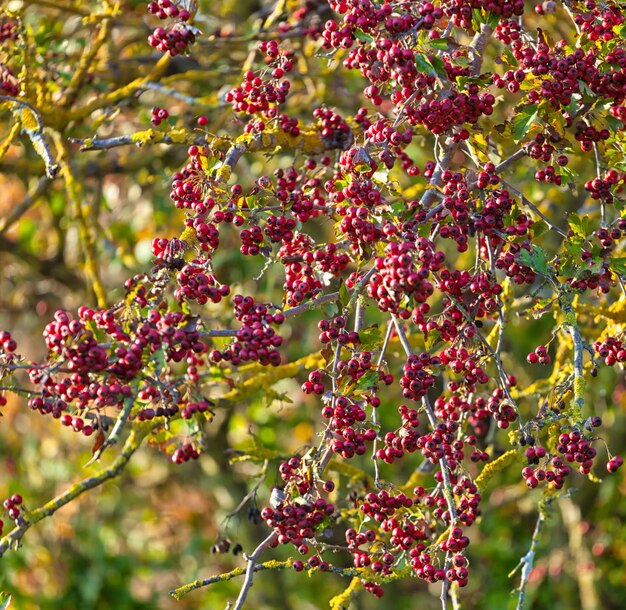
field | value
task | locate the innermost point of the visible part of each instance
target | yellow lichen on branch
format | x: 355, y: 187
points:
x: 498, y: 465
x: 342, y: 601
x: 74, y: 193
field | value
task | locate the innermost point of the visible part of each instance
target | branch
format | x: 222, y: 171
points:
x: 32, y: 125
x: 180, y: 592
x: 443, y: 464
x: 578, y: 402
x: 252, y: 561
x: 114, y: 437
x: 31, y: 197
x: 533, y: 207
x: 158, y: 137
x: 14, y: 536
x: 527, y: 561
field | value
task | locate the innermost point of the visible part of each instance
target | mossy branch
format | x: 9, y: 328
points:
x: 31, y: 518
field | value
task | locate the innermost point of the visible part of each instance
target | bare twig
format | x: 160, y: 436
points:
x: 252, y: 561
x: 533, y: 207
x: 527, y: 561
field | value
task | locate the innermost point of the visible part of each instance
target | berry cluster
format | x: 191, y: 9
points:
x: 611, y: 350
x: 460, y: 11
x: 256, y: 339
x: 9, y: 83
x: 334, y: 330
x: 598, y: 24
x: 176, y: 38
x: 73, y: 343
x: 540, y: 355
x: 399, y: 280
x: 416, y: 379
x: 184, y: 453
x: 294, y: 522
x: 158, y: 115
x: 263, y: 93
x: 12, y: 506
x: 441, y: 115
x: 603, y: 188
x: 197, y: 284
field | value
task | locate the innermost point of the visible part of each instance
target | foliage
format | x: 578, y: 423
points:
x: 315, y: 284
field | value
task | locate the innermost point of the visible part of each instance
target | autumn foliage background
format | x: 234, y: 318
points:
x: 73, y: 239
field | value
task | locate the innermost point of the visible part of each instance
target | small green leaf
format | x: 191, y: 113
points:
x: 330, y: 310
x: 5, y: 600
x: 509, y: 58
x: 539, y: 228
x: 523, y: 120
x: 344, y: 295
x: 540, y: 307
x: 579, y: 225
x: 367, y: 380
x: 439, y: 66
x: 574, y: 246
x: 535, y: 259
x: 423, y: 64
x: 439, y: 43
x: 363, y: 37
x: 431, y: 339
x: 370, y: 337
x: 618, y: 265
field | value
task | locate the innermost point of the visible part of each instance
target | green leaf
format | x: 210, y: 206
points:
x: 535, y: 259
x: 439, y: 43
x: 509, y: 58
x: 367, y: 380
x: 330, y: 310
x: 344, y: 295
x: 580, y: 225
x: 430, y: 65
x: 574, y: 246
x: 370, y: 337
x: 5, y: 600
x: 618, y: 265
x: 431, y: 338
x: 422, y: 63
x: 363, y: 37
x: 569, y: 174
x: 539, y: 228
x: 439, y: 66
x: 540, y: 307
x: 493, y: 19
x: 523, y: 120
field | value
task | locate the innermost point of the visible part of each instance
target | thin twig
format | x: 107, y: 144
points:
x: 533, y: 207
x: 116, y: 433
x: 443, y: 463
x: 18, y: 211
x: 252, y: 561
x: 381, y: 357
x: 527, y: 561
